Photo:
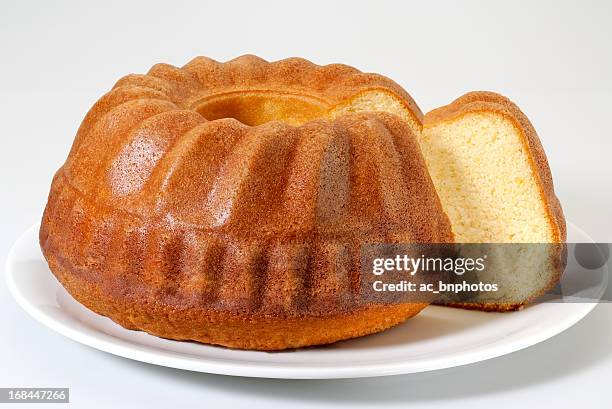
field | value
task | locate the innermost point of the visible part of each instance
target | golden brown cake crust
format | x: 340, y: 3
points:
x: 487, y: 102
x: 231, y: 234
x: 266, y: 332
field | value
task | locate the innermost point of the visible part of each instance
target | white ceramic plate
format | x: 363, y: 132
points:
x: 437, y: 338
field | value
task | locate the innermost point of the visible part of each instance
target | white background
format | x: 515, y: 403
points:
x: 553, y: 58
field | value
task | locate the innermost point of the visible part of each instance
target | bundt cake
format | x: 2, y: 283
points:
x: 493, y: 179
x: 227, y: 203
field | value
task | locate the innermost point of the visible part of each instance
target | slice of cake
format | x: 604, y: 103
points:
x: 492, y: 176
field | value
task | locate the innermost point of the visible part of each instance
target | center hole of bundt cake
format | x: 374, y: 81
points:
x: 258, y: 107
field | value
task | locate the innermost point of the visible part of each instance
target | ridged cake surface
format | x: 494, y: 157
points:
x: 227, y: 203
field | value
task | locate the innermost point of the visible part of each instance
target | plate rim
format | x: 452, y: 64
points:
x: 173, y: 359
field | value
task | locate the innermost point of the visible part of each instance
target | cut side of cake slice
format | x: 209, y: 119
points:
x: 490, y: 171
